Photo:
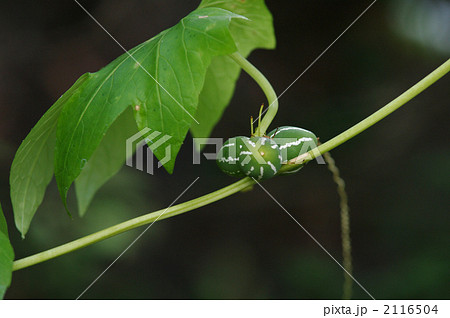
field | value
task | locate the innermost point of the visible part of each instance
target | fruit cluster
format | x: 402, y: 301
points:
x: 262, y: 157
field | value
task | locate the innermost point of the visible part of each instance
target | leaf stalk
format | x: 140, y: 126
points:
x: 268, y: 90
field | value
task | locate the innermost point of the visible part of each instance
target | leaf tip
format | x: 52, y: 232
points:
x: 21, y: 226
x: 67, y: 209
x: 63, y: 195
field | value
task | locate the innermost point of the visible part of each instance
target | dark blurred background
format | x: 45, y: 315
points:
x: 245, y: 246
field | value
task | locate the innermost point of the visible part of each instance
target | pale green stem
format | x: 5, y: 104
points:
x: 133, y: 223
x: 371, y: 120
x: 265, y: 86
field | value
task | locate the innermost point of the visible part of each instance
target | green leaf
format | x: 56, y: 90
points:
x: 32, y: 168
x: 176, y: 58
x: 6, y: 258
x: 106, y: 161
x: 222, y: 74
x: 3, y: 225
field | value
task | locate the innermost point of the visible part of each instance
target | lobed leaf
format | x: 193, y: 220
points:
x: 32, y: 168
x: 222, y: 74
x: 167, y: 80
x: 160, y: 78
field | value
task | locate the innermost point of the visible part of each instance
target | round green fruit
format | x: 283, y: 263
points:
x: 293, y: 141
x: 228, y: 156
x: 260, y: 158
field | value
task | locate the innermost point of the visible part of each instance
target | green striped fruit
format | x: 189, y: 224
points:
x: 260, y: 158
x: 293, y: 142
x: 228, y: 156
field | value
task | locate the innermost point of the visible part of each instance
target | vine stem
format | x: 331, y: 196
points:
x: 371, y: 120
x: 265, y: 86
x: 133, y: 223
x: 239, y: 185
